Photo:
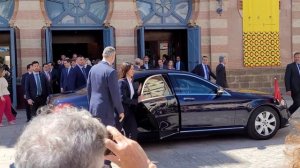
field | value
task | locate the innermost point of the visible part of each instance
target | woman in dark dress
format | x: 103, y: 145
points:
x: 129, y: 94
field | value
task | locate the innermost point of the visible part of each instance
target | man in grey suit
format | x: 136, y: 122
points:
x: 103, y: 89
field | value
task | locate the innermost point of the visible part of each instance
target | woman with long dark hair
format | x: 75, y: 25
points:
x: 129, y: 94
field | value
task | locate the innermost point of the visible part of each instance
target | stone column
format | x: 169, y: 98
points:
x: 124, y: 20
x: 29, y: 21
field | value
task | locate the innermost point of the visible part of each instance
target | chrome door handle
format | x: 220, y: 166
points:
x: 188, y: 99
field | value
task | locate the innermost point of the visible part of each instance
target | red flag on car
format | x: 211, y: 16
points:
x: 277, y: 94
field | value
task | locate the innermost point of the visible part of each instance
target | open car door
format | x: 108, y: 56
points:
x: 161, y: 104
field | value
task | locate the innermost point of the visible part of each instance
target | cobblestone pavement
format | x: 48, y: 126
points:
x: 218, y: 151
x: 8, y: 137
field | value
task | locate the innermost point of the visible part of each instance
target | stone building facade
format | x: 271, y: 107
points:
x: 221, y: 33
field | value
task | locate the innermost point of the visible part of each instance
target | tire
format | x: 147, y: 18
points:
x: 263, y: 123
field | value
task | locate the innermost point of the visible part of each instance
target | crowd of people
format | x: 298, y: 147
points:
x: 112, y: 98
x: 71, y: 74
x: 107, y: 97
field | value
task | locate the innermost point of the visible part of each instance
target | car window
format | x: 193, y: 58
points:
x: 155, y: 86
x: 186, y: 84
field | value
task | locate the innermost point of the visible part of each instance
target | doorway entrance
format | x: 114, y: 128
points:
x: 170, y: 43
x: 88, y: 43
x: 8, y: 58
x: 180, y: 41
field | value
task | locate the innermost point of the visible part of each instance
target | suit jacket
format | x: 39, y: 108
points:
x: 164, y: 67
x: 87, y: 69
x: 48, y: 79
x: 23, y: 82
x: 127, y: 102
x: 103, y: 93
x: 198, y: 70
x: 149, y: 66
x: 221, y: 76
x: 31, y: 88
x: 77, y: 78
x: 292, y: 78
x: 65, y: 79
x: 182, y: 66
x: 54, y: 82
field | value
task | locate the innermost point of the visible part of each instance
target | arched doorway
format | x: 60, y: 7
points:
x: 7, y: 46
x: 165, y: 31
x: 77, y: 27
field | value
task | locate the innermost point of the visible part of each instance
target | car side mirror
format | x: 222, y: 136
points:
x: 220, y: 91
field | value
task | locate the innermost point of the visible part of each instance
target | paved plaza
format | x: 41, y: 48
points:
x: 219, y: 151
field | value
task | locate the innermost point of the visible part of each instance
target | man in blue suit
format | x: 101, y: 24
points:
x: 78, y: 75
x: 37, y: 88
x: 24, y: 78
x: 103, y: 89
x: 65, y: 76
x: 204, y: 69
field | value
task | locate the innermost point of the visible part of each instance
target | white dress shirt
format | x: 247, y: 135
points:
x: 131, y: 87
x: 205, y: 71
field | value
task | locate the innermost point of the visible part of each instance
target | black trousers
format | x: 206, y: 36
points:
x: 28, y: 110
x: 38, y: 102
x: 296, y: 102
x: 130, y: 126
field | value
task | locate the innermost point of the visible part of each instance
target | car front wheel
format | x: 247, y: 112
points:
x: 263, y: 123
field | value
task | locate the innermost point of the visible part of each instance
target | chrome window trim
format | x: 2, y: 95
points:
x: 212, y: 129
x: 152, y: 76
x: 194, y: 76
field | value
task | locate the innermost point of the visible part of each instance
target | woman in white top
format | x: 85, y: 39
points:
x: 5, y: 102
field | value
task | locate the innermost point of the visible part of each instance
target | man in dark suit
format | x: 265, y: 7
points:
x: 103, y: 90
x: 161, y: 64
x: 204, y: 69
x: 179, y: 64
x: 221, y: 73
x: 54, y: 76
x: 24, y: 78
x: 292, y: 82
x: 36, y: 88
x: 65, y: 76
x: 146, y: 64
x: 78, y: 75
x: 87, y: 66
x: 46, y: 73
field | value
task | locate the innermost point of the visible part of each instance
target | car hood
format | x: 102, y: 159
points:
x: 53, y: 98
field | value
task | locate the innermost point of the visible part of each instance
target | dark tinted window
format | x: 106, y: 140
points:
x: 184, y: 84
x: 155, y: 86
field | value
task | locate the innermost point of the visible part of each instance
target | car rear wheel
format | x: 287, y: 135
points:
x: 263, y: 123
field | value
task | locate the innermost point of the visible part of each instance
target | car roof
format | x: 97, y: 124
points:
x: 145, y: 73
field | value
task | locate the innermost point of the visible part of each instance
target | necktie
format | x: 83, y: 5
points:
x: 38, y: 83
x: 207, y: 71
x: 68, y: 71
x: 84, y: 73
x: 177, y: 67
x: 48, y: 76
